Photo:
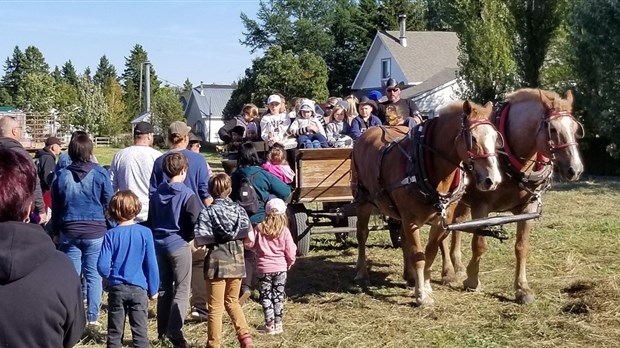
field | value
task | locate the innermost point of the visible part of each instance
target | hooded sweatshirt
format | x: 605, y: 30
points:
x: 46, y: 164
x: 173, y: 211
x: 40, y: 292
x: 80, y: 195
x: 264, y: 183
x: 12, y: 144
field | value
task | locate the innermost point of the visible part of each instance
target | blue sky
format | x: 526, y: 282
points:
x: 198, y: 40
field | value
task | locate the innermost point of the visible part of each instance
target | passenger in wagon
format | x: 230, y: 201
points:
x: 365, y: 119
x: 339, y: 129
x: 405, y: 108
x: 246, y: 120
x: 274, y: 124
x: 307, y: 128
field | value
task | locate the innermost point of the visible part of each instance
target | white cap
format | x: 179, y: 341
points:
x: 274, y: 98
x: 275, y: 205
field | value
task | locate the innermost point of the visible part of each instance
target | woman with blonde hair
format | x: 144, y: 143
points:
x: 352, y: 111
x: 275, y: 254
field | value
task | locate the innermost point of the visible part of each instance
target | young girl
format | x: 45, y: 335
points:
x: 278, y: 166
x: 128, y: 262
x: 274, y: 124
x: 275, y: 254
x: 307, y: 128
x: 222, y: 226
x: 338, y: 129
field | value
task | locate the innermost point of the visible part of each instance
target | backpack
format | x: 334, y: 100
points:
x: 248, y: 198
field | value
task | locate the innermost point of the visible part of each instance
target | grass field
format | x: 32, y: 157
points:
x: 573, y: 268
x: 105, y: 154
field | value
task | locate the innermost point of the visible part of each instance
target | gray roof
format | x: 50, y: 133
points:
x: 441, y: 78
x: 143, y: 117
x: 427, y: 52
x: 214, y: 98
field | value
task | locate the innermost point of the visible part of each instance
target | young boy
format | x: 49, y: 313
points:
x: 173, y: 211
x: 127, y: 260
x: 222, y: 226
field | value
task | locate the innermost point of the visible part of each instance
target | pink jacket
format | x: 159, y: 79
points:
x: 272, y: 254
x: 280, y: 171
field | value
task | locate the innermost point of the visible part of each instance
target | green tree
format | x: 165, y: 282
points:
x: 187, y: 85
x: 34, y: 62
x: 116, y: 121
x: 595, y: 42
x: 87, y: 74
x: 390, y: 10
x: 104, y: 71
x: 13, y: 72
x: 92, y: 108
x: 5, y: 97
x: 66, y: 103
x: 133, y: 71
x: 68, y: 73
x: 282, y: 72
x: 56, y: 74
x: 536, y: 24
x: 166, y: 109
x: 35, y: 93
x: 487, y: 68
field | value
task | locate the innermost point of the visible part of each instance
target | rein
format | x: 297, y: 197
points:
x: 546, y: 122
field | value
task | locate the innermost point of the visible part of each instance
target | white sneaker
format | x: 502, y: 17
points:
x: 277, y: 329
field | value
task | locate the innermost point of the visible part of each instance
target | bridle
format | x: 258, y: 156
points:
x: 546, y: 123
x: 466, y: 128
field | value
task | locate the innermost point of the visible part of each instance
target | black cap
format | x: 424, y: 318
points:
x: 366, y: 100
x: 142, y: 128
x: 52, y: 140
x: 392, y: 83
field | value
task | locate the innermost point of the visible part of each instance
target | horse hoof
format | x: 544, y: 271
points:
x: 428, y: 288
x: 525, y: 299
x: 448, y: 279
x: 471, y: 284
x: 424, y: 302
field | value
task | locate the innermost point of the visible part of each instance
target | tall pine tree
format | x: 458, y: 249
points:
x: 133, y: 82
x: 105, y: 70
x: 69, y: 74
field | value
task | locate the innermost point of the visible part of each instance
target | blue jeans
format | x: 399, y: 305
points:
x: 125, y: 299
x: 312, y: 141
x: 84, y: 254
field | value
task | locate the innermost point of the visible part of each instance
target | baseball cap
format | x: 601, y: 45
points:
x: 143, y: 128
x: 180, y: 128
x: 274, y: 98
x: 52, y: 140
x: 275, y: 205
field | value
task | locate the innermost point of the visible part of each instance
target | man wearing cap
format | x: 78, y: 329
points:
x: 197, y: 180
x: 405, y: 108
x: 131, y: 167
x: 45, y: 160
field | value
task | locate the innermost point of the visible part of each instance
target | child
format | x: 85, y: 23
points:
x: 365, y: 119
x: 307, y: 128
x: 338, y: 129
x: 274, y: 124
x: 173, y: 211
x: 275, y: 254
x: 278, y: 166
x: 128, y: 262
x: 222, y: 226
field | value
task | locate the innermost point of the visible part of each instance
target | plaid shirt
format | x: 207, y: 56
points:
x: 222, y: 226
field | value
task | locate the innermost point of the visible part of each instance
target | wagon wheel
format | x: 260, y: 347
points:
x: 298, y: 224
x: 394, y: 227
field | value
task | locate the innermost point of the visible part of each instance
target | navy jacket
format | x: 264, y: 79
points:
x: 358, y: 126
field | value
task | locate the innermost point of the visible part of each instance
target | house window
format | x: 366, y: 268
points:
x: 386, y: 68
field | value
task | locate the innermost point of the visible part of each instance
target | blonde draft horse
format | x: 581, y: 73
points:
x: 463, y: 134
x: 538, y: 123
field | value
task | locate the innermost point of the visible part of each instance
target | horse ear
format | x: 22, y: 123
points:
x: 488, y: 106
x: 547, y: 102
x: 569, y: 96
x: 467, y: 107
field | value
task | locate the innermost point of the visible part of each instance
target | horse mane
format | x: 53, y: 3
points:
x: 456, y: 108
x: 531, y: 94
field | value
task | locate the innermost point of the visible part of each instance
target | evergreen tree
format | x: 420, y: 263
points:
x: 187, y: 85
x: 133, y: 71
x: 104, y: 71
x: 69, y: 74
x: 390, y: 10
x: 369, y: 18
x: 5, y: 97
x: 13, y: 72
x: 87, y: 74
x: 34, y: 62
x: 56, y: 74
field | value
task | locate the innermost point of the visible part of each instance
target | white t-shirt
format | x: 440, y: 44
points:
x: 131, y: 169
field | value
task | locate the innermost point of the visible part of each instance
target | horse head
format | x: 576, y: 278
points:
x: 477, y: 143
x: 559, y: 133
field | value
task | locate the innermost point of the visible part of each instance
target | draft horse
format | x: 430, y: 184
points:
x: 416, y: 175
x: 541, y: 135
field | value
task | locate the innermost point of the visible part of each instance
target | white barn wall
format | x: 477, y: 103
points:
x: 373, y: 76
x: 429, y: 103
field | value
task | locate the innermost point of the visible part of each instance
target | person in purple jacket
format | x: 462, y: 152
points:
x: 365, y: 119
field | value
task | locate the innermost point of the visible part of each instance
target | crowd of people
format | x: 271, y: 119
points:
x: 162, y: 227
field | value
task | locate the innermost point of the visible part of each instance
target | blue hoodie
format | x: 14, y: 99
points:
x: 173, y: 211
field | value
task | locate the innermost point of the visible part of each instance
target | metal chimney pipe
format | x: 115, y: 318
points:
x: 403, y: 30
x: 147, y: 86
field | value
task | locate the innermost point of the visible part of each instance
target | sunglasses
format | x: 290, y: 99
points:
x: 393, y: 90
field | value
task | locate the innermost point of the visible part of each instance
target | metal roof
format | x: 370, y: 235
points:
x: 213, y: 99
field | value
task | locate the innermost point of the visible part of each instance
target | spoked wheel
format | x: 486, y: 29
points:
x: 298, y: 224
x: 394, y: 227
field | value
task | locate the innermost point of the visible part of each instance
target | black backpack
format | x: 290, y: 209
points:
x: 248, y: 198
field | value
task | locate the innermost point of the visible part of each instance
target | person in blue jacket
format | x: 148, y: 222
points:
x: 365, y: 119
x: 266, y: 185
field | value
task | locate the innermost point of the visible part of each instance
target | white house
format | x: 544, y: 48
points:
x: 204, y: 107
x: 425, y: 62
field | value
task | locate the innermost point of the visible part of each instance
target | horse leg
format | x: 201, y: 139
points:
x: 363, y: 217
x: 436, y: 240
x: 461, y: 212
x: 411, y: 241
x: 478, y: 248
x: 408, y: 271
x: 523, y: 293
